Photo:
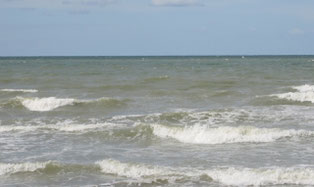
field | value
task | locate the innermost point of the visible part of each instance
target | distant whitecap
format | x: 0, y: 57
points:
x: 20, y: 90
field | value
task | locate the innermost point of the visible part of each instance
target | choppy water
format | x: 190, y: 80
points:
x: 157, y: 121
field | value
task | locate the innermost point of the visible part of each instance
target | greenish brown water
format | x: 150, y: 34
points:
x: 157, y: 121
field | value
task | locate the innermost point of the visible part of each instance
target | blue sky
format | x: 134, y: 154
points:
x: 156, y: 27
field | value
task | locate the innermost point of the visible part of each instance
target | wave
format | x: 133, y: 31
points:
x: 193, y: 117
x: 304, y: 88
x: 49, y: 167
x: 20, y: 90
x: 305, y: 93
x: 52, y: 103
x: 227, y: 175
x: 44, y: 104
x: 198, y: 134
x: 8, y: 168
x: 223, y: 117
x: 263, y: 176
x: 193, y: 134
x: 145, y: 173
x: 58, y: 127
x: 17, y: 128
x: 297, y: 96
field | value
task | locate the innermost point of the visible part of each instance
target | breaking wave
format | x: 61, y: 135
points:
x: 222, y: 135
x: 52, y: 103
x: 226, y: 176
x: 305, y: 93
x: 194, y: 134
x: 8, y: 168
x: 194, y: 117
x: 45, y: 104
x: 49, y: 167
x: 145, y: 173
x: 20, y: 90
x: 304, y: 88
x: 263, y: 176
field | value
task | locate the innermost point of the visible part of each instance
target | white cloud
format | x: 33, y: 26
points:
x: 176, y: 2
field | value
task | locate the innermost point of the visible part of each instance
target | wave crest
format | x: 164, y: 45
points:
x: 51, y: 103
x: 227, y: 176
x: 203, y: 135
x: 49, y: 167
x: 130, y: 170
x: 304, y: 88
x: 305, y: 93
x: 45, y: 104
x: 20, y: 90
x: 149, y: 173
x: 8, y: 168
x: 194, y: 117
x: 196, y: 134
x: 263, y: 176
x: 145, y: 173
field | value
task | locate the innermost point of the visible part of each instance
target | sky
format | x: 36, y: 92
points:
x: 156, y: 27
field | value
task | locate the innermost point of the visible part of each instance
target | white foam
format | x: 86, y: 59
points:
x: 9, y: 128
x: 198, y: 134
x: 8, y: 168
x: 51, y: 103
x: 305, y: 93
x: 143, y: 172
x: 131, y: 170
x: 189, y: 116
x: 297, y: 96
x: 304, y: 88
x: 45, y: 104
x: 227, y: 176
x: 20, y: 90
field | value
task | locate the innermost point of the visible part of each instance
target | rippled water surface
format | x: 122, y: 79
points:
x: 157, y: 121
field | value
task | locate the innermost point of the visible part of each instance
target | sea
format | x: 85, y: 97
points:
x: 157, y: 121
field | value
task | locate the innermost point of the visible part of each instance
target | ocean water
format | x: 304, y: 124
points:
x: 157, y: 121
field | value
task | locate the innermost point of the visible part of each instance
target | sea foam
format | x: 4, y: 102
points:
x: 132, y: 170
x: 140, y: 172
x: 51, y: 103
x: 305, y: 93
x: 224, y: 175
x: 304, y: 88
x: 263, y: 176
x: 20, y: 90
x: 9, y: 168
x: 9, y: 128
x: 143, y: 172
x: 198, y: 134
x: 45, y: 104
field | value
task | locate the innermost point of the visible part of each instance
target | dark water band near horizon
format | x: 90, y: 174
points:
x: 157, y: 121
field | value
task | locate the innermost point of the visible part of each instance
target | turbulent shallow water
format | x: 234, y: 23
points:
x: 157, y: 121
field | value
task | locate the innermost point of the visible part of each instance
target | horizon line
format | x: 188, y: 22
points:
x: 225, y: 55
